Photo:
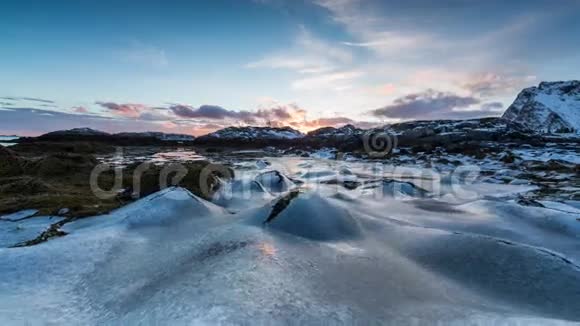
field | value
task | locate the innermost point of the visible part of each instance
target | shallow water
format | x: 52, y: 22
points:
x: 3, y: 140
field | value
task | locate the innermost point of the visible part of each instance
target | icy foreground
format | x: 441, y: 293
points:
x: 288, y: 245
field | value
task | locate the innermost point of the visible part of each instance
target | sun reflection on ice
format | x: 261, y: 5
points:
x: 267, y: 249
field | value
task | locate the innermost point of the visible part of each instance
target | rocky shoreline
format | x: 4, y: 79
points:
x: 52, y: 182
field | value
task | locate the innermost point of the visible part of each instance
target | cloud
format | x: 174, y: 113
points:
x: 33, y: 99
x: 211, y: 112
x: 325, y: 122
x: 370, y: 29
x: 80, y: 109
x: 492, y: 107
x: 389, y: 42
x: 393, y: 43
x: 281, y: 112
x: 154, y: 115
x: 126, y: 110
x: 385, y: 89
x: 491, y: 84
x: 307, y: 55
x: 430, y: 104
x: 279, y: 115
x: 411, y: 35
x: 31, y: 122
x: 336, y: 122
x: 335, y: 80
x: 272, y: 114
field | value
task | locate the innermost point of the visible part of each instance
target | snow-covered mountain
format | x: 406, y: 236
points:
x: 97, y: 134
x: 249, y: 133
x: 330, y: 132
x: 77, y: 132
x: 418, y: 129
x: 157, y: 135
x: 552, y: 107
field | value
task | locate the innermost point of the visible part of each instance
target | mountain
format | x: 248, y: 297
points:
x: 253, y: 133
x: 552, y: 107
x: 76, y: 132
x: 158, y: 135
x: 84, y: 133
x: 330, y: 132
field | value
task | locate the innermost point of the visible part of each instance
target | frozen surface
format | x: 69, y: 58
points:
x: 547, y: 155
x: 331, y: 254
x: 15, y: 232
x: 19, y: 215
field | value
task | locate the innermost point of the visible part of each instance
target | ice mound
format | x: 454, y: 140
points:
x: 319, y: 175
x: 396, y: 189
x: 275, y: 181
x: 240, y: 194
x: 164, y: 208
x: 506, y: 270
x: 262, y: 164
x: 161, y: 209
x: 308, y: 215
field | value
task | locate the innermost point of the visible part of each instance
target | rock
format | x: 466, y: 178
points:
x: 552, y: 107
x: 336, y: 133
x: 201, y: 178
x: 401, y: 189
x: 262, y: 164
x: 418, y: 133
x: 275, y: 181
x: 528, y: 202
x: 552, y: 165
x: 508, y: 157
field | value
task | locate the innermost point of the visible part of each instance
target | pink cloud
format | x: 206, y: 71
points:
x: 80, y: 109
x: 386, y: 89
x: 127, y: 110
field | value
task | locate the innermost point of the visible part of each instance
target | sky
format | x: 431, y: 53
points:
x: 186, y: 66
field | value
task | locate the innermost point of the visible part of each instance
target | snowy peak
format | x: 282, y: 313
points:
x: 330, y: 132
x: 92, y: 133
x: 77, y: 132
x: 249, y: 133
x: 552, y: 107
x: 157, y: 135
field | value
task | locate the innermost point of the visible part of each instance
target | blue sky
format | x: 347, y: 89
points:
x: 194, y: 66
